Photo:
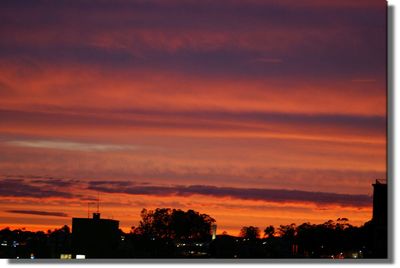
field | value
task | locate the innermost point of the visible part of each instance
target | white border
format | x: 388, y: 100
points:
x: 396, y: 163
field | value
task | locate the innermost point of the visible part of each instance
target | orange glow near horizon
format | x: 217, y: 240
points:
x: 228, y: 218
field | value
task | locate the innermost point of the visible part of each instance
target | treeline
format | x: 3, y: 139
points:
x: 174, y: 233
x: 167, y: 233
x: 332, y: 239
x: 26, y: 244
x: 174, y: 224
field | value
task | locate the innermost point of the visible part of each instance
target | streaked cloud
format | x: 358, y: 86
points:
x: 22, y: 188
x: 34, y: 189
x: 269, y: 195
x: 71, y: 146
x: 342, y: 128
x: 39, y: 213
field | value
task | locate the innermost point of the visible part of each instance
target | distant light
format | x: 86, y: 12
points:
x: 80, y: 256
x: 65, y: 256
x: 32, y: 256
x: 264, y: 243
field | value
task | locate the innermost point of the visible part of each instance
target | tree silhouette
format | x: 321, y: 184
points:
x: 288, y: 234
x: 269, y: 231
x: 190, y: 224
x: 166, y: 223
x: 250, y: 232
x: 288, y: 231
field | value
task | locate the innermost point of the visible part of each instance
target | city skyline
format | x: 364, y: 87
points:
x: 254, y: 112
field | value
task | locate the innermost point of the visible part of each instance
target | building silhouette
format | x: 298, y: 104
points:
x: 380, y: 200
x: 380, y: 218
x: 95, y: 237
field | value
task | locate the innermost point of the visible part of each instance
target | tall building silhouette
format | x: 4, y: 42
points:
x: 380, y: 218
x: 95, y: 237
x: 380, y: 200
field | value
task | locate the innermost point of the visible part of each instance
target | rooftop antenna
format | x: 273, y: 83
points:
x: 88, y: 211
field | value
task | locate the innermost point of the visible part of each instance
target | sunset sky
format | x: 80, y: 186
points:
x: 254, y: 112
